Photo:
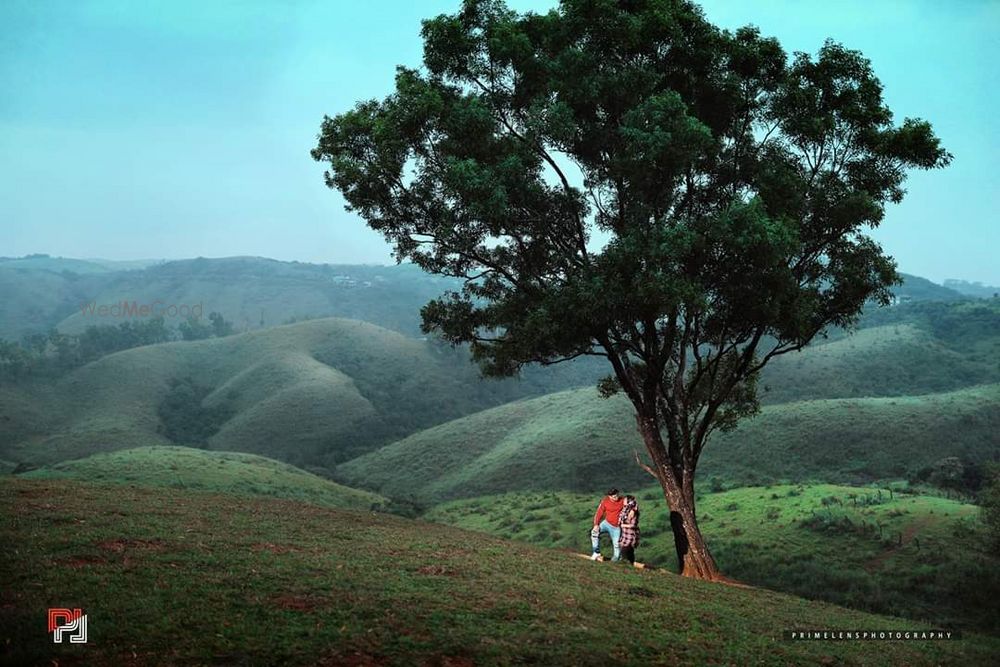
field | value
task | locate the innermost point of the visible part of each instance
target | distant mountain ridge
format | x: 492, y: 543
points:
x: 39, y: 292
x: 974, y: 289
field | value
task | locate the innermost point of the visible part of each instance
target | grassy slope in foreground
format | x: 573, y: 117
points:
x: 920, y: 557
x: 575, y: 440
x: 224, y: 472
x: 168, y: 576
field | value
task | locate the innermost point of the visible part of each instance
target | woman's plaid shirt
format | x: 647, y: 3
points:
x: 628, y: 520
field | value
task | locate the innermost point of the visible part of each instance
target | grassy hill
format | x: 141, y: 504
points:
x: 974, y: 289
x: 916, y: 288
x: 222, y: 472
x: 255, y: 292
x: 922, y: 557
x: 310, y: 393
x: 42, y: 262
x: 41, y: 292
x: 33, y: 300
x: 574, y: 440
x: 180, y: 577
x: 887, y: 360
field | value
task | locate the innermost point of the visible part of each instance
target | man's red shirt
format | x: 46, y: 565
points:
x: 609, y: 509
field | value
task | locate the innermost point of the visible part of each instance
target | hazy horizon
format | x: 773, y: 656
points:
x: 390, y: 262
x: 177, y: 130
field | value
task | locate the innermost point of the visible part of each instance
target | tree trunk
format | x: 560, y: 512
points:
x: 693, y: 557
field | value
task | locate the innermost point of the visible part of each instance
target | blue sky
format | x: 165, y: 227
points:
x: 177, y: 129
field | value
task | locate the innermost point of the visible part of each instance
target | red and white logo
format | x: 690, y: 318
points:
x: 68, y: 622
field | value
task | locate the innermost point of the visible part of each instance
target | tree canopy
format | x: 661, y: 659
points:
x: 733, y: 185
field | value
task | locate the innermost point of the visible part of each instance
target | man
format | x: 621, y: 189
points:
x: 606, y: 521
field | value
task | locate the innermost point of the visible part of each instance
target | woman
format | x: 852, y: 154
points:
x: 628, y: 521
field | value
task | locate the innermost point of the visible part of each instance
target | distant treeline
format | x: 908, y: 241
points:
x: 55, y: 353
x: 960, y: 474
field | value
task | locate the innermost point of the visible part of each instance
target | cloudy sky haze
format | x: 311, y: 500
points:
x: 181, y: 129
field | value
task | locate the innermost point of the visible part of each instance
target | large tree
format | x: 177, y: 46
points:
x: 731, y: 187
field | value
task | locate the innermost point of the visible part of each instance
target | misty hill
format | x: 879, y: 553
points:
x: 322, y: 391
x: 43, y: 262
x: 974, y: 289
x: 577, y: 441
x: 915, y: 288
x: 39, y: 292
x: 313, y: 393
x: 34, y: 300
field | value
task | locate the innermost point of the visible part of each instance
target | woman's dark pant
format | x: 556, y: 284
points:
x: 628, y: 553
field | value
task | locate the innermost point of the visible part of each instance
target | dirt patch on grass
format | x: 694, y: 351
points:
x: 295, y: 602
x: 121, y: 544
x: 33, y: 491
x: 450, y: 661
x: 76, y: 562
x: 906, y: 537
x: 303, y: 603
x: 437, y: 571
x: 354, y: 659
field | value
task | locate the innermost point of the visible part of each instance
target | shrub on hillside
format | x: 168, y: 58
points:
x: 989, y: 503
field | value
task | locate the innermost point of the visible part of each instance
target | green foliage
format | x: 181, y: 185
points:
x: 989, y: 502
x: 250, y: 292
x: 194, y: 329
x: 57, y: 353
x: 736, y: 186
x: 185, y: 419
x: 955, y: 473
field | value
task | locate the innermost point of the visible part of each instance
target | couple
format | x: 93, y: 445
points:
x: 617, y: 516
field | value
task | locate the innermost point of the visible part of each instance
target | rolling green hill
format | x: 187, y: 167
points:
x: 222, y: 472
x: 311, y: 393
x: 888, y: 360
x: 185, y: 577
x: 575, y: 440
x: 921, y: 557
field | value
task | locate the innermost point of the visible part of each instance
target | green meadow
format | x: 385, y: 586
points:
x: 880, y: 549
x: 191, y: 577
